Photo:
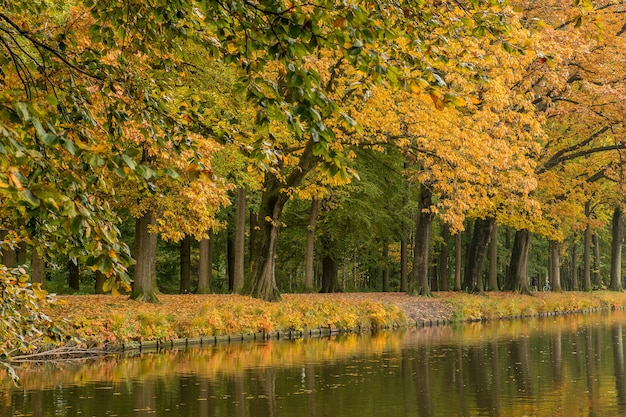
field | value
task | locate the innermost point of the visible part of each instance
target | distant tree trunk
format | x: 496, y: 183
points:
x: 309, y: 255
x: 385, y: 269
x: 330, y: 275
x: 205, y: 265
x: 434, y: 276
x: 476, y: 254
x: 145, y: 287
x: 575, y: 286
x: 404, y: 238
x: 230, y: 256
x: 8, y: 254
x: 493, y: 260
x: 73, y: 272
x: 554, y: 261
x: 22, y: 247
x: 617, y: 240
x: 595, y: 242
x: 587, y: 254
x: 99, y: 285
x: 418, y: 284
x: 240, y: 241
x: 185, y: 265
x: 458, y: 252
x: 254, y: 229
x: 404, y: 262
x: 517, y: 274
x: 443, y: 259
x: 38, y: 266
x: 262, y: 281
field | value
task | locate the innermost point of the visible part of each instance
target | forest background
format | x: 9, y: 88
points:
x: 260, y: 147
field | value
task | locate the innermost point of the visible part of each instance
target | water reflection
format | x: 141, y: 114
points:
x: 564, y: 366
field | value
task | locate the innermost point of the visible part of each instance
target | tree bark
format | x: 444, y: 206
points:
x: 493, y: 260
x: 575, y: 285
x: 554, y: 260
x: 418, y: 284
x: 9, y: 256
x: 330, y: 275
x: 230, y: 255
x: 262, y: 281
x: 587, y: 252
x: 309, y: 255
x: 595, y: 242
x: 476, y: 254
x: 443, y: 259
x: 99, y: 285
x: 185, y: 265
x: 38, y: 266
x: 205, y: 266
x: 517, y: 274
x: 404, y: 263
x: 73, y: 272
x: 617, y: 240
x: 458, y: 252
x: 385, y: 267
x: 145, y: 287
x: 240, y: 241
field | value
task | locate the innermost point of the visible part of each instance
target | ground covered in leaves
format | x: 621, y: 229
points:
x: 96, y: 320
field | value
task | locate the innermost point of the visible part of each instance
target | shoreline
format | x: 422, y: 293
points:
x: 115, y: 323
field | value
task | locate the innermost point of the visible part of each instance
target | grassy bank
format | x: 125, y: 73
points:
x: 100, y: 319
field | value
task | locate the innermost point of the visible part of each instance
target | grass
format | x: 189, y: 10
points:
x: 100, y: 319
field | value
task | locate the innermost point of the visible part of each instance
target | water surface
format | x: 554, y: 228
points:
x: 559, y: 366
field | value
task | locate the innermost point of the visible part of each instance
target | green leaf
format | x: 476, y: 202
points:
x: 27, y: 196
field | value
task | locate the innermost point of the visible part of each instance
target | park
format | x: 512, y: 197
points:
x: 386, y: 172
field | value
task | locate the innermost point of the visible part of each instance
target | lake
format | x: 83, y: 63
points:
x: 569, y: 365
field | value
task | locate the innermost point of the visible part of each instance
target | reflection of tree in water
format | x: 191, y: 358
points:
x: 309, y: 384
x: 421, y: 370
x: 521, y: 365
x: 144, y: 398
x: 591, y: 372
x: 618, y: 359
x: 556, y: 357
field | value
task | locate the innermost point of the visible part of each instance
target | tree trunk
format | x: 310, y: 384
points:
x: 145, y: 287
x: 617, y: 240
x: 230, y: 255
x: 254, y: 228
x: 9, y: 256
x: 458, y: 251
x: 404, y: 263
x: 99, y: 285
x: 309, y: 255
x: 205, y: 266
x: 595, y: 242
x: 587, y: 251
x: 476, y: 254
x: 554, y: 260
x: 385, y: 272
x: 38, y: 267
x: 73, y: 272
x: 240, y: 241
x: 418, y: 284
x: 330, y: 275
x: 443, y: 259
x: 517, y: 274
x: 493, y: 260
x: 262, y: 281
x: 185, y: 265
x: 575, y: 286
